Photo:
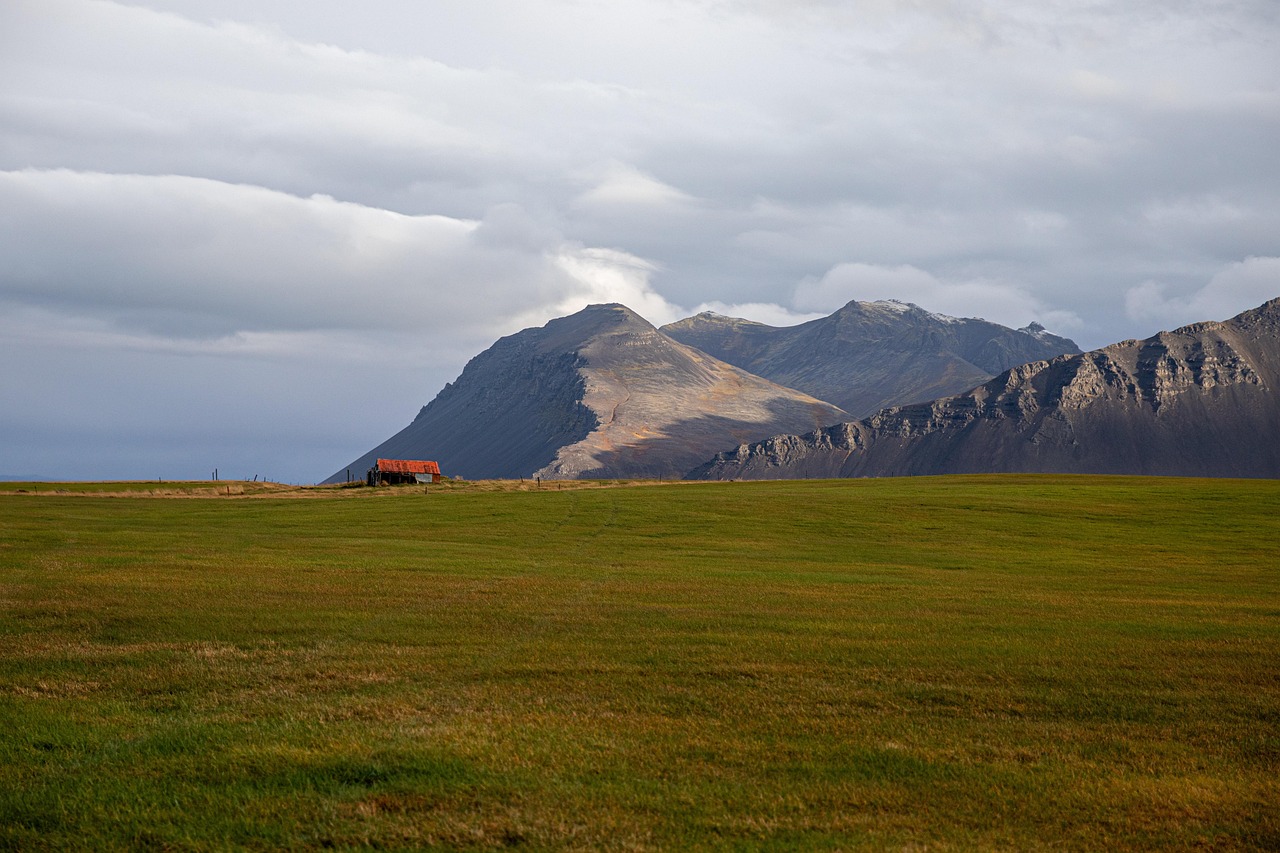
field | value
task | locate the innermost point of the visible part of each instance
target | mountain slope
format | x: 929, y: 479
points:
x: 870, y: 355
x: 1198, y: 401
x: 601, y: 393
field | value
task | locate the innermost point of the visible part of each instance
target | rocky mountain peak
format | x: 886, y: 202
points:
x: 710, y: 320
x: 574, y: 330
x: 599, y: 393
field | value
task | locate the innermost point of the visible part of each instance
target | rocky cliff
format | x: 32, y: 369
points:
x: 601, y: 393
x: 1198, y: 401
x: 870, y: 355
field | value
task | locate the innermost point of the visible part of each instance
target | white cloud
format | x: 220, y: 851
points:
x: 232, y: 179
x: 129, y: 89
x: 1095, y: 86
x: 1237, y: 287
x: 621, y: 185
x: 608, y: 275
x: 1197, y: 212
x: 182, y: 257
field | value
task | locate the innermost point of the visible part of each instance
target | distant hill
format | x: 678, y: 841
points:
x: 601, y: 393
x: 870, y: 355
x: 1198, y: 401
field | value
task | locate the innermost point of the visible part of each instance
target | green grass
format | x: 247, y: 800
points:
x: 942, y: 663
x: 147, y: 488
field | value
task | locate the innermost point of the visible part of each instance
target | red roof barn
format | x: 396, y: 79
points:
x: 394, y: 471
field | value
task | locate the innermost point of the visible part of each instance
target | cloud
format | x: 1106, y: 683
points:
x: 620, y: 185
x: 183, y: 257
x: 608, y: 275
x: 126, y: 89
x: 226, y: 324
x: 1235, y: 288
x: 219, y: 181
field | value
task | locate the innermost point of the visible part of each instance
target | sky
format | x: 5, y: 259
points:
x: 258, y: 236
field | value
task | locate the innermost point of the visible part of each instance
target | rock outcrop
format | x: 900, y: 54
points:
x: 601, y: 393
x: 871, y: 355
x: 1198, y: 401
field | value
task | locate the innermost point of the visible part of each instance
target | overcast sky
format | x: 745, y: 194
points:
x: 258, y: 235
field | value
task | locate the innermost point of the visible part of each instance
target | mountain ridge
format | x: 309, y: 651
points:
x: 1197, y: 401
x: 869, y: 355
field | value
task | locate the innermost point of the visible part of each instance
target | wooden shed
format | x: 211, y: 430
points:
x: 393, y: 472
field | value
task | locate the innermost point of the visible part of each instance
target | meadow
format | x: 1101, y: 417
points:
x: 929, y: 663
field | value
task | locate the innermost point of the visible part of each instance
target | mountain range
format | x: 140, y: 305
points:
x: 1197, y: 401
x: 600, y: 393
x: 869, y: 355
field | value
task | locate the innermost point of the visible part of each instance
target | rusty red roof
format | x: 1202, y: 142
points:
x: 408, y: 466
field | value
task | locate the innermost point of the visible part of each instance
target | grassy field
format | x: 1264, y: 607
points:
x: 152, y: 488
x: 934, y: 663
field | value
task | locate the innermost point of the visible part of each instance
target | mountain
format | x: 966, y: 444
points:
x: 600, y: 393
x: 869, y: 355
x: 1198, y: 401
